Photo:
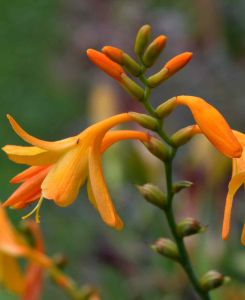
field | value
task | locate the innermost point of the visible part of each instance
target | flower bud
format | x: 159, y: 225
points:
x: 157, y: 78
x: 164, y: 109
x: 178, y: 186
x: 144, y: 120
x: 142, y: 39
x: 152, y: 194
x: 105, y: 64
x: 189, y: 226
x: 154, y: 50
x: 114, y: 54
x: 183, y: 135
x: 131, y: 65
x: 132, y: 87
x: 123, y: 59
x: 167, y: 248
x: 212, y: 280
x: 157, y: 148
x: 177, y: 63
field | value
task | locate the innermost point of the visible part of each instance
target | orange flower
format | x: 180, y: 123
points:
x: 213, y: 125
x: 65, y: 165
x: 237, y: 180
x: 105, y: 64
x: 12, y: 246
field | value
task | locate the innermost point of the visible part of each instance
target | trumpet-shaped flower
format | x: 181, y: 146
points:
x: 60, y: 168
x: 213, y: 125
x: 12, y: 246
x: 237, y: 180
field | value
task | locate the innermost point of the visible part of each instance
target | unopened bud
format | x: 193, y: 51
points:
x: 157, y: 78
x: 114, y: 54
x: 189, y: 226
x: 131, y: 65
x: 167, y: 248
x: 164, y: 109
x: 142, y: 39
x: 180, y: 185
x: 144, y: 120
x: 183, y: 135
x: 212, y: 280
x: 152, y: 194
x: 157, y: 148
x: 132, y: 87
x: 123, y: 59
x: 154, y: 50
x: 105, y: 64
x: 177, y: 62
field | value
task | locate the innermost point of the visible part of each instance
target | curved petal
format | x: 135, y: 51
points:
x: 66, y: 177
x: 32, y: 156
x: 234, y: 185
x: 213, y: 125
x: 62, y: 144
x: 27, y: 190
x: 112, y: 137
x: 27, y: 174
x: 99, y: 190
x: 243, y: 235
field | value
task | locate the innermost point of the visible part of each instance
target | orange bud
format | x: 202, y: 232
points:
x: 177, y: 62
x: 105, y: 64
x: 153, y: 50
x: 114, y: 54
x: 213, y: 125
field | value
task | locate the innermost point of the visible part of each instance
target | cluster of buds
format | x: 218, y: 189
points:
x: 115, y: 62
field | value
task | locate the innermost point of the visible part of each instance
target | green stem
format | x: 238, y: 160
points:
x: 184, y: 257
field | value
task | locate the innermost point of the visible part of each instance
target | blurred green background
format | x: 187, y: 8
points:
x: 48, y: 84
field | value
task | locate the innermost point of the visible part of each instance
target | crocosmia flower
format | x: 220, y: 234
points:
x: 60, y: 168
x: 237, y: 180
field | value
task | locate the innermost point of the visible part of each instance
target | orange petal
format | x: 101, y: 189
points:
x: 66, y: 177
x: 27, y: 190
x: 28, y: 173
x: 119, y: 135
x: 234, y: 185
x: 213, y: 125
x: 32, y: 156
x: 62, y: 144
x: 100, y: 192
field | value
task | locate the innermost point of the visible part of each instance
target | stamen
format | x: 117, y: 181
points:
x: 35, y: 210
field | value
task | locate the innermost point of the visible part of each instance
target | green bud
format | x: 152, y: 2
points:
x: 189, y: 226
x: 167, y: 248
x: 157, y: 148
x: 132, y: 87
x: 212, y: 280
x: 157, y: 78
x: 144, y: 120
x: 154, y: 50
x: 142, y: 39
x: 180, y: 185
x: 183, y: 135
x: 152, y: 194
x: 131, y: 65
x: 164, y: 109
